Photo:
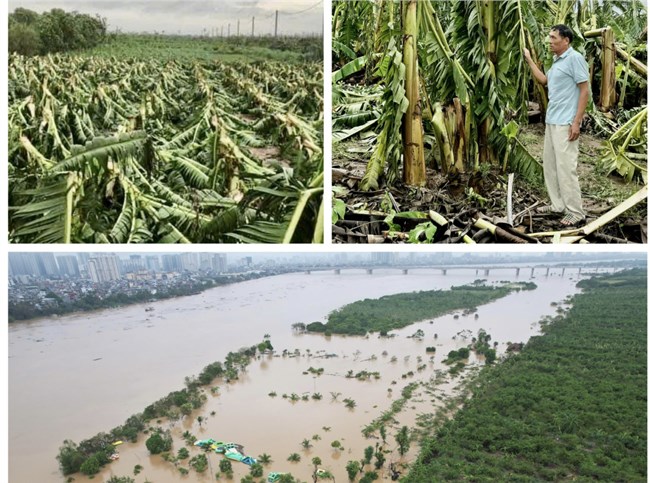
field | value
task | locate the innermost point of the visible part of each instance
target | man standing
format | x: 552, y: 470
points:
x: 568, y: 94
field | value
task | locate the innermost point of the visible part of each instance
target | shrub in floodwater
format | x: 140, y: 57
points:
x: 70, y: 458
x: 294, y: 457
x: 199, y: 463
x: 265, y: 459
x: 91, y: 466
x: 353, y: 467
x: 137, y: 469
x: 225, y: 466
x: 256, y: 470
x: 183, y: 453
x: 367, y: 455
x: 159, y: 441
x: 120, y: 479
x: 380, y: 459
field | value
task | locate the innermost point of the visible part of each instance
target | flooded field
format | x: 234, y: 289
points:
x: 74, y: 376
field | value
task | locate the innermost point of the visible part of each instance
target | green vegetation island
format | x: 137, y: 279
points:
x: 571, y: 406
x: 399, y: 310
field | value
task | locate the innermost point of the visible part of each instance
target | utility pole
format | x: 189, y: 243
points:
x: 222, y: 30
x: 228, y: 30
x: 276, y: 23
x: 237, y: 27
x: 253, y: 31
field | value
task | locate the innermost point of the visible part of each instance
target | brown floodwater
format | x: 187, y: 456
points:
x: 74, y: 376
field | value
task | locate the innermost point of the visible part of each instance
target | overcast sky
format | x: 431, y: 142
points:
x: 191, y: 17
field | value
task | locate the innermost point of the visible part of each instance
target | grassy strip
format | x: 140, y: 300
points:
x: 572, y: 405
x: 399, y: 310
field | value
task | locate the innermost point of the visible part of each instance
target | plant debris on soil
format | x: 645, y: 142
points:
x: 473, y: 207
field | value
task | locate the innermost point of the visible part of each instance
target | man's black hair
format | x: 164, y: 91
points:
x: 564, y: 31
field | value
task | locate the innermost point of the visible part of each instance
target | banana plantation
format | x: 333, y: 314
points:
x: 125, y: 150
x: 438, y: 122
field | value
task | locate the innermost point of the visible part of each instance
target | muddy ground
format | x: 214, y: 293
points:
x: 374, y: 217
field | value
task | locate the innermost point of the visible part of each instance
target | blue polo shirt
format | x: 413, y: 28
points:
x: 568, y: 70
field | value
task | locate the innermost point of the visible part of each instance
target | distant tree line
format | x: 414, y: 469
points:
x: 31, y: 33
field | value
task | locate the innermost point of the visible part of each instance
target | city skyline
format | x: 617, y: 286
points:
x: 107, y: 266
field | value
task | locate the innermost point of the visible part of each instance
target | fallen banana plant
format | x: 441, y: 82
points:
x: 626, y: 151
x: 141, y: 151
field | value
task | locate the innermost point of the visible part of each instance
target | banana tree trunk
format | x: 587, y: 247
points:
x: 414, y: 168
x: 460, y: 140
x: 608, y: 78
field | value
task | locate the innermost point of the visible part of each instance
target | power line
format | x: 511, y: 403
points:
x: 305, y: 10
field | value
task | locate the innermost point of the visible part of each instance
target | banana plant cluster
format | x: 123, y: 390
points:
x: 110, y: 150
x: 471, y: 80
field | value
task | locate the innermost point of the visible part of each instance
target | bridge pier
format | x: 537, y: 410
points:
x: 579, y: 270
x: 308, y: 272
x: 517, y: 271
x: 563, y: 270
x: 532, y: 271
x: 405, y: 271
x: 337, y: 271
x: 548, y: 269
x: 487, y: 271
x: 477, y: 271
x: 369, y: 271
x: 444, y: 271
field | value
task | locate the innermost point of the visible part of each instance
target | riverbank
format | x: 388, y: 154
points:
x: 572, y: 405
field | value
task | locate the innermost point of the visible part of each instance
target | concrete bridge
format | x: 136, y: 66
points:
x: 544, y: 270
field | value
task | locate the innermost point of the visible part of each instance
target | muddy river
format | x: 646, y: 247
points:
x: 73, y: 376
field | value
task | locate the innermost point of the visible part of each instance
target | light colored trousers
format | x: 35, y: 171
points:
x: 561, y: 170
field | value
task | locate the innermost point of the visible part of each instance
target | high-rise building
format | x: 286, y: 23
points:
x: 83, y: 261
x: 68, y: 265
x: 22, y: 264
x: 103, y: 268
x: 47, y: 264
x: 205, y: 261
x: 153, y: 263
x: 219, y: 263
x: 172, y: 263
x: 134, y: 264
x: 137, y: 262
x: 190, y: 262
x: 383, y: 258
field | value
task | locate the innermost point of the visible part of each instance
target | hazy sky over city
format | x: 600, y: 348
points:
x: 191, y: 17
